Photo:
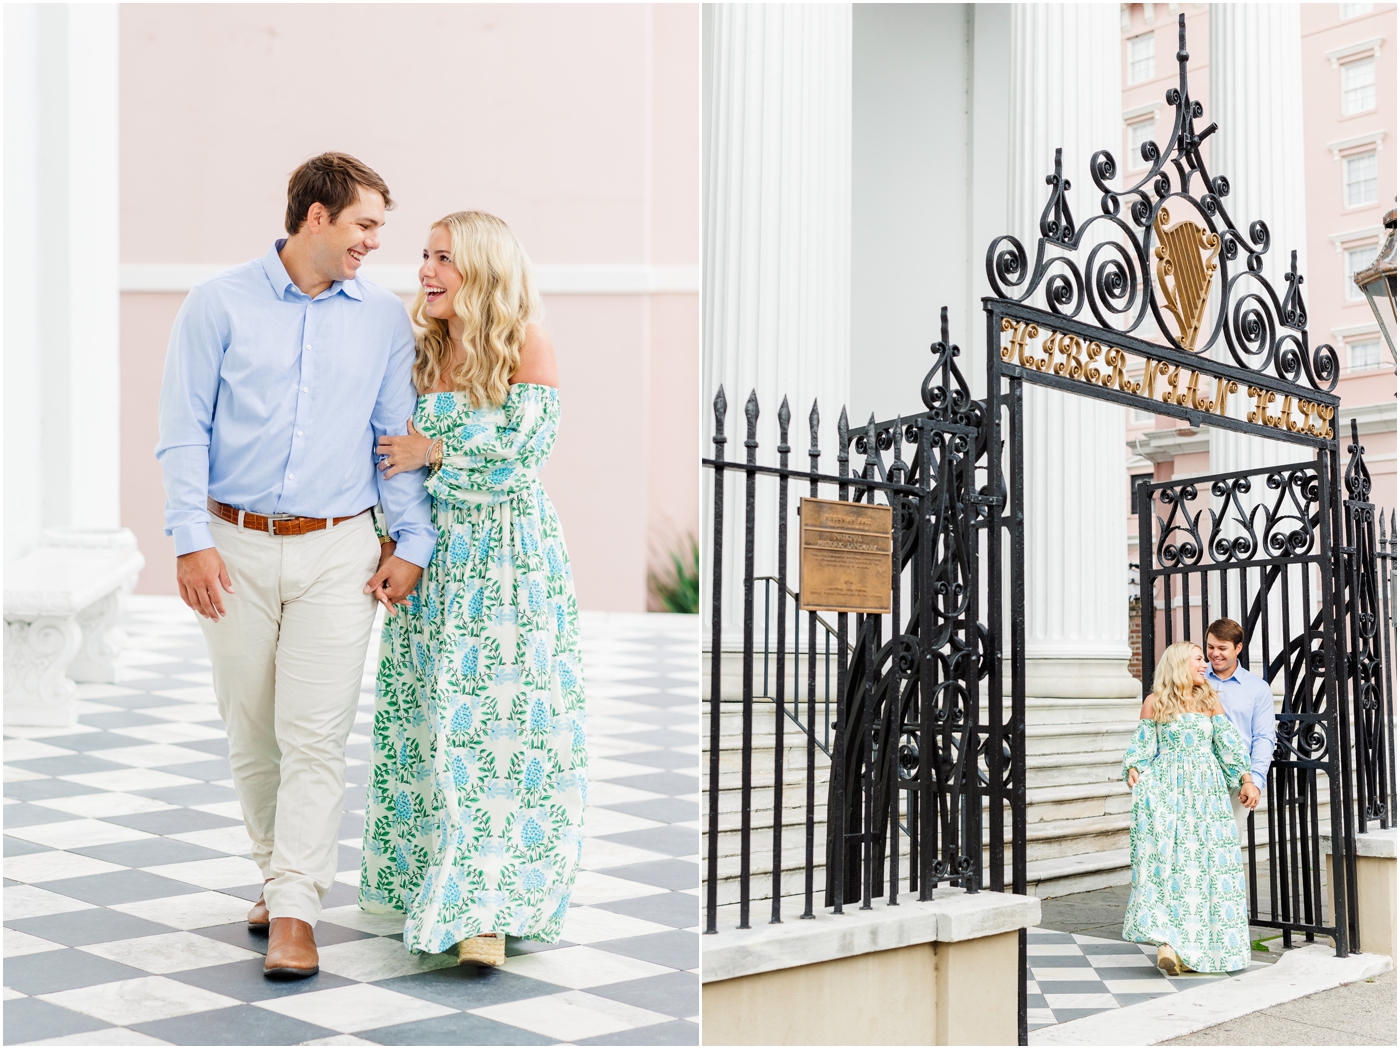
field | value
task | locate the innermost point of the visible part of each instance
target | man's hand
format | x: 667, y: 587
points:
x: 200, y: 575
x: 395, y: 580
x: 1249, y: 794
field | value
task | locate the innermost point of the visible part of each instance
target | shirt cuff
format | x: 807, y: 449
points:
x: 415, y: 549
x: 1258, y: 781
x: 191, y: 537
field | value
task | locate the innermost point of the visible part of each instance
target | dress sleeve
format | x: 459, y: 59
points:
x: 1230, y: 749
x: 481, y: 456
x: 1142, y: 750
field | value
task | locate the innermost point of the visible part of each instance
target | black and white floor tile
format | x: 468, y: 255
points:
x: 1069, y: 975
x: 127, y: 875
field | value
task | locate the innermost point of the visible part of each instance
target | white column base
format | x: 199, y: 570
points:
x: 38, y: 690
x: 96, y: 660
x: 1080, y: 678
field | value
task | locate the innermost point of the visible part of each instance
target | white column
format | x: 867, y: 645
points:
x: 1066, y: 92
x: 1256, y: 98
x: 776, y: 202
x: 62, y: 330
x: 94, y: 325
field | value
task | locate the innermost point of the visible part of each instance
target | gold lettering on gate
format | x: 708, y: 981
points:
x: 1066, y: 355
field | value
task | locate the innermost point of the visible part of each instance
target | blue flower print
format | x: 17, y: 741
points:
x: 459, y: 550
x: 565, y: 668
x: 470, y: 655
x: 451, y: 891
x: 539, y: 714
x: 461, y: 777
x: 531, y: 833
x: 403, y: 807
x: 444, y: 404
x: 534, y: 774
x: 462, y: 719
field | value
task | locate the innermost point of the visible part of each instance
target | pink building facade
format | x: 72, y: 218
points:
x: 577, y: 124
x: 1347, y: 128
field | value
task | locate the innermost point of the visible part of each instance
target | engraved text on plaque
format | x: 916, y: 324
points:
x: 846, y: 550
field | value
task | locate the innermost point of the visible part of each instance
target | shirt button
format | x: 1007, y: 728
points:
x: 308, y: 345
x: 291, y: 477
x: 305, y: 390
x: 298, y: 433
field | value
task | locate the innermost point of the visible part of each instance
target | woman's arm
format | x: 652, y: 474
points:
x: 537, y: 364
x: 1143, y: 748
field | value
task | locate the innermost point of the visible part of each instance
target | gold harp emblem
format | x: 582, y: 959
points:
x: 1185, y: 267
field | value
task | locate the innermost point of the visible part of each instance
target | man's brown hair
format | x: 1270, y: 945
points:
x: 333, y: 180
x: 1226, y: 630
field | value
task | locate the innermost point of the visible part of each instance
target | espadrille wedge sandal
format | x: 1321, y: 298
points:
x: 483, y: 950
x: 1168, y: 961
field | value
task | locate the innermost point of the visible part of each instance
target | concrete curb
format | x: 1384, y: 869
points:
x: 1297, y: 974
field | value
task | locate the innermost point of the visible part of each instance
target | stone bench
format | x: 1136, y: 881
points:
x: 63, y: 603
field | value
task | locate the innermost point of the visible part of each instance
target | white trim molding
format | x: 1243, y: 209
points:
x: 1351, y: 331
x: 1162, y: 446
x: 1354, y: 235
x: 1370, y: 418
x: 1135, y: 115
x: 552, y: 279
x: 1338, y: 55
x: 1346, y: 145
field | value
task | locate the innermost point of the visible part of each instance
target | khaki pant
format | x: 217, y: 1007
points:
x: 288, y: 659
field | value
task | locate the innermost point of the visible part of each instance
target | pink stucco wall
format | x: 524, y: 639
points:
x: 577, y: 124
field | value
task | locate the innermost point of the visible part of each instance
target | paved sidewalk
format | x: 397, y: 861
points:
x: 1361, y: 1013
x: 1078, y: 965
x: 127, y: 875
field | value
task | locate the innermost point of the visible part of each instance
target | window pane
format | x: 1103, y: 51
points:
x: 1360, y: 180
x: 1354, y: 10
x: 1359, y: 86
x: 1141, y: 55
x: 1363, y: 356
x: 1138, y: 134
x: 1357, y: 259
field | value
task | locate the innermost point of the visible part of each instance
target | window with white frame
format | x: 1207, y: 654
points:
x: 1138, y: 133
x: 1142, y: 54
x: 1364, y: 355
x: 1357, y: 259
x: 1359, y: 179
x: 1359, y: 86
x: 1346, y: 11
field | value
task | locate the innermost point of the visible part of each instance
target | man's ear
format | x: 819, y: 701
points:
x: 316, y: 215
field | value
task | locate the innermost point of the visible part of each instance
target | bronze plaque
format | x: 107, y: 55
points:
x: 846, y: 551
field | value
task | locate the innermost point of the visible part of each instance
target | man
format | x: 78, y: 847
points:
x: 1249, y: 704
x: 280, y: 377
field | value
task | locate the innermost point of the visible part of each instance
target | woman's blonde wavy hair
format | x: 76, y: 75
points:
x: 496, y: 302
x: 1174, y: 690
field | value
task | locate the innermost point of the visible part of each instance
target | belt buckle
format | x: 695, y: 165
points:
x: 271, y: 518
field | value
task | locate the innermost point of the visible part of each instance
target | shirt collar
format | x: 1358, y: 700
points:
x: 281, y: 280
x: 1234, y: 674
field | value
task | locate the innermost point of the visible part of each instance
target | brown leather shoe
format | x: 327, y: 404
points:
x: 291, y: 950
x: 258, y: 916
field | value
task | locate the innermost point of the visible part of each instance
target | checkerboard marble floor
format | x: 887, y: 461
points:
x: 127, y: 875
x: 1069, y: 975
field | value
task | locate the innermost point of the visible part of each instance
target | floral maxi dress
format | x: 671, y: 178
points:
x: 474, y: 810
x: 1187, y: 879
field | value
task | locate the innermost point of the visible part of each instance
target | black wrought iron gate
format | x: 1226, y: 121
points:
x: 913, y: 721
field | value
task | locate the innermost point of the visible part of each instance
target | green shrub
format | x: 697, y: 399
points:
x: 677, y: 588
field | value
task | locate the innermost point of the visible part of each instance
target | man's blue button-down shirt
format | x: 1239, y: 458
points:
x: 1249, y: 704
x: 273, y: 402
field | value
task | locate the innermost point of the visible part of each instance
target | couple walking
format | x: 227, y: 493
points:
x: 297, y: 397
x: 1195, y: 781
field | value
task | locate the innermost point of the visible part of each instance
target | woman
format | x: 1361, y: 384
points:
x: 474, y: 818
x: 1187, y: 891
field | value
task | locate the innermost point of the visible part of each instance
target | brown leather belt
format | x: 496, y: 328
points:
x: 276, y: 524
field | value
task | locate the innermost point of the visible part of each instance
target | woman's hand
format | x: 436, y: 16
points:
x: 398, y: 454
x: 1132, y: 777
